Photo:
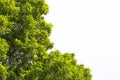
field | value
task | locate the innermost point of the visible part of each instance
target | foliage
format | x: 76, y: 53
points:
x: 3, y: 72
x: 64, y: 67
x: 24, y: 42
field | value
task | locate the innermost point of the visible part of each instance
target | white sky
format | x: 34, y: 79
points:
x: 91, y: 29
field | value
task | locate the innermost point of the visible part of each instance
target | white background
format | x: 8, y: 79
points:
x: 90, y: 29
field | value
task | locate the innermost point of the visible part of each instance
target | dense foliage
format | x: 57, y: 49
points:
x: 24, y: 42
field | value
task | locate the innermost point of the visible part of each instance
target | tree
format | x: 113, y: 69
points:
x: 64, y: 67
x: 24, y: 42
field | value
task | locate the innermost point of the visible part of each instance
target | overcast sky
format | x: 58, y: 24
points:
x: 90, y: 29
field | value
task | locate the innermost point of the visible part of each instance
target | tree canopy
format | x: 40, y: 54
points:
x: 24, y: 42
